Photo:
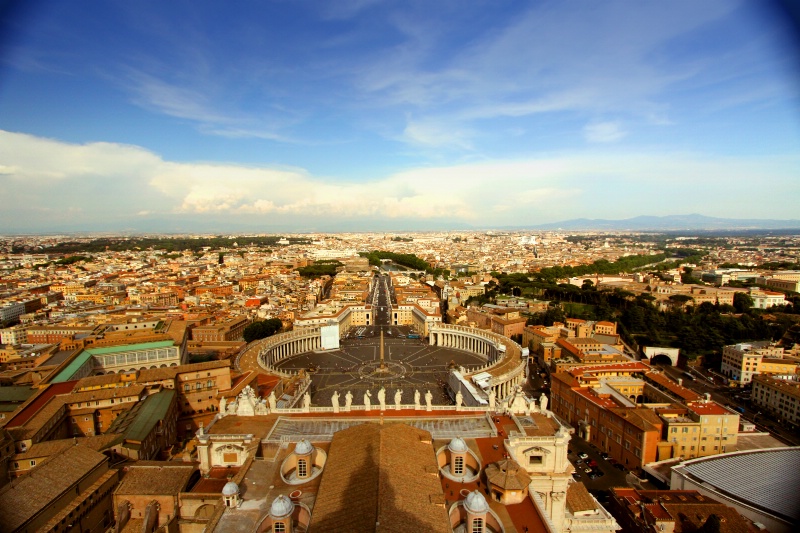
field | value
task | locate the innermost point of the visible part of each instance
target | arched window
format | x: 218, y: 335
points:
x: 477, y: 525
x: 459, y: 466
x: 301, y: 468
x: 279, y: 527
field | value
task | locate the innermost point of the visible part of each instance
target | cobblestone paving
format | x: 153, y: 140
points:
x: 417, y: 365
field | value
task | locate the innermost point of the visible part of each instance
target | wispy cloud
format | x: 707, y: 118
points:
x: 603, y: 132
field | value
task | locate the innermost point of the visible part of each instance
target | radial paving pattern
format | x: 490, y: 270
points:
x: 411, y: 365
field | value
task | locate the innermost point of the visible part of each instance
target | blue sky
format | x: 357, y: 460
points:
x: 367, y: 114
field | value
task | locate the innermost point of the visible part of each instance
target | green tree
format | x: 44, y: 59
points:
x: 742, y: 302
x: 262, y: 329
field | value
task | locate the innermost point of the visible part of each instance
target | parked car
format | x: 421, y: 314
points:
x: 588, y: 470
x: 604, y: 455
x: 578, y: 461
x: 583, y: 455
x: 576, y: 476
x: 618, y: 466
x: 592, y: 463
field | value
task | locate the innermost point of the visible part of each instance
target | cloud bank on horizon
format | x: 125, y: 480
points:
x: 486, y: 113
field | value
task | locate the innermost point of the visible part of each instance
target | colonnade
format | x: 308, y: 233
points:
x: 505, y: 366
x: 502, y: 390
x: 288, y: 344
x: 469, y: 343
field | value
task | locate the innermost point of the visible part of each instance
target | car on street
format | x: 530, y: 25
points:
x: 618, y: 466
x: 592, y: 463
x: 583, y: 455
x: 604, y: 455
x: 576, y: 476
x: 588, y: 470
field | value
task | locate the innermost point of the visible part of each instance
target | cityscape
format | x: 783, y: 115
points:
x: 394, y: 265
x: 543, y: 382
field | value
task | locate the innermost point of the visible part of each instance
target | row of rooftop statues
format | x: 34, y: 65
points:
x: 247, y: 403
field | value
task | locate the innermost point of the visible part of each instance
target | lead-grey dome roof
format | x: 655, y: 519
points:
x: 476, y: 503
x: 230, y: 489
x: 303, y: 447
x: 281, y: 506
x: 457, y: 445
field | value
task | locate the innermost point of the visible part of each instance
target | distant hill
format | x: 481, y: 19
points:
x: 692, y: 222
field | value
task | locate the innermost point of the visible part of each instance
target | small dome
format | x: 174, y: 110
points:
x: 303, y: 447
x: 230, y: 489
x: 282, y: 506
x: 476, y: 503
x: 457, y: 445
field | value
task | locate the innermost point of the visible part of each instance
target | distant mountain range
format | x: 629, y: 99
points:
x: 692, y: 222
x: 181, y: 224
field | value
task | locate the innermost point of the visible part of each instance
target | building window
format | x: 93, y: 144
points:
x: 535, y: 460
x: 279, y: 527
x: 477, y: 525
x: 459, y: 466
x: 186, y: 387
x: 301, y: 468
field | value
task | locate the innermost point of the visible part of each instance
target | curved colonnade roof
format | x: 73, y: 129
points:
x: 763, y: 478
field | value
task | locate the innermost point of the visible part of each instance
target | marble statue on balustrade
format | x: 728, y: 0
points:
x: 416, y: 399
x: 492, y: 400
x: 518, y: 403
x: 348, y: 401
x: 223, y: 403
x: 246, y: 402
x: 232, y: 407
x: 398, y: 398
x: 335, y: 401
x: 459, y: 399
x: 543, y: 403
x: 273, y: 402
x: 382, y: 398
x: 306, y: 402
x: 367, y: 402
x: 261, y: 408
x: 428, y: 401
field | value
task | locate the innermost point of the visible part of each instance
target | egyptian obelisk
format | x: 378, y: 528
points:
x: 383, y: 366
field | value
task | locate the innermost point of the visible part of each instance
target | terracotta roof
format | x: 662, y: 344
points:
x: 53, y: 447
x: 165, y: 479
x: 22, y: 499
x: 380, y: 474
x: 579, y: 499
x: 106, y: 394
x: 159, y: 374
x: 508, y: 475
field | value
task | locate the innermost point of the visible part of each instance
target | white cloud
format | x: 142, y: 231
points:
x: 603, y: 132
x: 103, y: 181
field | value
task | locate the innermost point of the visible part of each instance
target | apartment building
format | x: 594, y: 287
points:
x: 226, y: 330
x: 605, y: 404
x: 700, y: 429
x: 740, y: 362
x: 765, y: 299
x: 508, y: 327
x: 628, y: 434
x: 778, y: 395
x: 334, y: 312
